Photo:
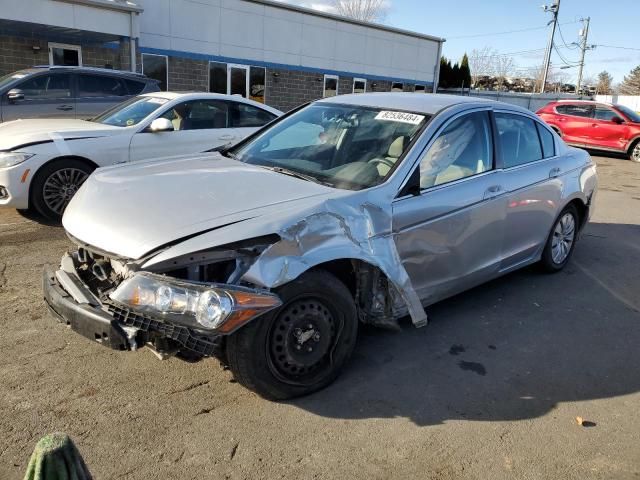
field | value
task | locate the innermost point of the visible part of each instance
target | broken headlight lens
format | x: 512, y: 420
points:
x: 215, y: 307
x: 9, y: 159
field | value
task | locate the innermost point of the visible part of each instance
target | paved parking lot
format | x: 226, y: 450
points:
x: 489, y: 390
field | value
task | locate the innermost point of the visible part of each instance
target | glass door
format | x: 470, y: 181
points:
x: 238, y: 80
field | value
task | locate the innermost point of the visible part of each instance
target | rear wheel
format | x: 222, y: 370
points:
x: 561, y: 241
x: 55, y: 184
x: 634, y: 152
x: 300, y: 347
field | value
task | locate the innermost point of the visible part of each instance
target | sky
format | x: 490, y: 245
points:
x: 474, y: 24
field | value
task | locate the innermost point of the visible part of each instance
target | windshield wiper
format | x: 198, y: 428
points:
x: 293, y: 173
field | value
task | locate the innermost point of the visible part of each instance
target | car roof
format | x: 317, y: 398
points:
x: 209, y: 96
x: 426, y: 103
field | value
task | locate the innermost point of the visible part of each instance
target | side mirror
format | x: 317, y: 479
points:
x: 15, y: 95
x: 617, y: 120
x: 161, y: 125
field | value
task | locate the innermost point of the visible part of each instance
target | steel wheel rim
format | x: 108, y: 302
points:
x: 60, y: 186
x: 301, y: 341
x: 563, y: 237
x: 636, y: 153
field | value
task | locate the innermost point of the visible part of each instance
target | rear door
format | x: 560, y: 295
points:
x: 97, y: 93
x: 199, y: 125
x: 48, y: 95
x: 246, y: 119
x: 449, y: 236
x: 533, y: 179
x: 575, y: 122
x: 609, y: 130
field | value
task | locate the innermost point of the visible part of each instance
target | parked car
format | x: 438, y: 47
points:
x: 67, y: 92
x: 356, y: 208
x: 595, y: 125
x: 44, y: 162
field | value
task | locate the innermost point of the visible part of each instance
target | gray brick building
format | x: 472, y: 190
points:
x: 272, y: 52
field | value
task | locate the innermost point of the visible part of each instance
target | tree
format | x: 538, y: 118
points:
x: 503, y: 67
x: 456, y: 81
x: 481, y: 63
x: 465, y: 71
x: 604, y: 83
x: 446, y: 71
x: 631, y: 83
x: 363, y: 10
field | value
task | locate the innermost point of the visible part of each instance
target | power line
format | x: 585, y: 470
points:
x: 475, y: 35
x: 621, y: 48
x: 572, y: 47
x: 564, y: 60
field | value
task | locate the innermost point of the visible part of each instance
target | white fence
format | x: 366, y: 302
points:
x: 631, y: 101
x: 531, y: 101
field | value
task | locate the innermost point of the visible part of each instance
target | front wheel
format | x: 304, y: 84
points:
x: 561, y: 241
x: 300, y: 347
x: 55, y: 184
x: 634, y: 152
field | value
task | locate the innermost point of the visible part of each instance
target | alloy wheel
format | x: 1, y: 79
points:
x: 635, y: 154
x: 60, y: 186
x: 563, y: 238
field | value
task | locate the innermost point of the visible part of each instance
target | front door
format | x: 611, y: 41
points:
x: 609, y: 130
x: 47, y: 95
x: 238, y: 80
x: 575, y: 121
x: 449, y: 237
x: 199, y: 125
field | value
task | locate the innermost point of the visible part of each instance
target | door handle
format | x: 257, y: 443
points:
x: 66, y: 108
x: 554, y: 172
x: 492, y: 191
x: 227, y: 137
x: 562, y: 119
x: 595, y: 125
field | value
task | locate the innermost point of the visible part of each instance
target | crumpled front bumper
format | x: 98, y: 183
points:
x: 115, y: 327
x: 88, y: 320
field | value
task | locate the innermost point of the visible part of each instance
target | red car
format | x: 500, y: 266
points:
x: 594, y: 125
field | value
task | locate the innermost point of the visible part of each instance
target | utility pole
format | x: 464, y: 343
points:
x: 583, y: 47
x: 554, y: 9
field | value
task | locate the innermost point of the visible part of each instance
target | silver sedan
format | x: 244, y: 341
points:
x: 355, y: 209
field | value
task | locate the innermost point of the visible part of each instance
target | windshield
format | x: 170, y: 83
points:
x: 344, y: 146
x: 130, y: 112
x: 11, y: 77
x: 630, y: 114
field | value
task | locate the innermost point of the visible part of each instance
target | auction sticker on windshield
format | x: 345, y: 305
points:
x: 400, y: 117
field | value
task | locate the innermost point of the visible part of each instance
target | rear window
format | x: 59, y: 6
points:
x: 134, y: 87
x: 546, y: 138
x: 575, y: 110
x: 519, y: 139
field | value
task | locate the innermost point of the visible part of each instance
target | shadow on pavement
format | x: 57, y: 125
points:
x: 507, y: 350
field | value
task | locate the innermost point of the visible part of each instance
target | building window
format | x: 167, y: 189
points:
x: 397, y: 87
x: 257, y: 77
x: 359, y: 85
x: 217, y: 77
x: 420, y: 89
x: 330, y: 86
x: 63, y: 54
x: 156, y: 67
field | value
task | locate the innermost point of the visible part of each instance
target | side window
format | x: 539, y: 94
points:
x: 99, y: 86
x: 244, y: 115
x: 462, y: 149
x: 45, y: 87
x: 575, y: 110
x: 134, y: 87
x: 198, y: 115
x: 546, y: 138
x: 604, y: 113
x: 519, y: 139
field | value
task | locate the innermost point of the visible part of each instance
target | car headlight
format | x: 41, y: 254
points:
x: 9, y: 159
x: 214, y: 307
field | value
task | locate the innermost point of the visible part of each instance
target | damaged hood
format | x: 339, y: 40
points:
x: 24, y: 132
x: 134, y: 209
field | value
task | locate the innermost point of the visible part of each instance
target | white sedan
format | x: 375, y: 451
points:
x: 43, y: 162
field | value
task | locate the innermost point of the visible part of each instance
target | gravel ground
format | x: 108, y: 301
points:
x: 489, y: 390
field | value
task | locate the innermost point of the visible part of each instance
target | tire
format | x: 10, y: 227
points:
x: 634, y: 152
x: 300, y: 347
x: 55, y: 184
x: 554, y: 256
